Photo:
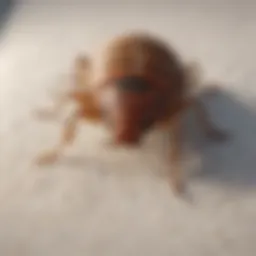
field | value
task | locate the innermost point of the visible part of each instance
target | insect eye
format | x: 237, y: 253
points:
x: 133, y: 84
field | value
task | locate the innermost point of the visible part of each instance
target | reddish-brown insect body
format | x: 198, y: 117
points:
x: 144, y: 85
x: 148, y: 81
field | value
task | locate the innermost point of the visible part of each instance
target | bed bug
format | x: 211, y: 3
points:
x: 144, y: 85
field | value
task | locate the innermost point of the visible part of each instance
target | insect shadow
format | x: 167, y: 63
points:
x: 231, y: 163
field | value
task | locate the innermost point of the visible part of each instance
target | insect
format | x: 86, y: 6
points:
x: 80, y: 79
x: 144, y: 85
